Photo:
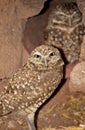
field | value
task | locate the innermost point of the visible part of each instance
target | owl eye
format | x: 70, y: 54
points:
x: 77, y: 15
x: 61, y: 16
x: 51, y: 54
x: 37, y: 56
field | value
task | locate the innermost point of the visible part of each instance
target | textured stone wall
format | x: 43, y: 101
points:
x: 13, y: 15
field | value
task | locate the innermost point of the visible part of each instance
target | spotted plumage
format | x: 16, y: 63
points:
x: 65, y: 30
x: 33, y: 84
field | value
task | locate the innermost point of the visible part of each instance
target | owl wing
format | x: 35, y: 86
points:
x: 11, y: 96
x: 8, y: 103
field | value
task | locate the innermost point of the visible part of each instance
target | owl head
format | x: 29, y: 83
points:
x: 67, y: 14
x: 45, y: 57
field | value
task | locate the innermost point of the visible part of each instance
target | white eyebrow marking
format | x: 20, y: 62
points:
x: 37, y: 53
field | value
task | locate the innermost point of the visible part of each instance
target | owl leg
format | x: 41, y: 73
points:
x: 31, y: 122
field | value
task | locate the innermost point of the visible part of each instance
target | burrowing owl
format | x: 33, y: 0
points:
x: 33, y: 84
x: 65, y: 30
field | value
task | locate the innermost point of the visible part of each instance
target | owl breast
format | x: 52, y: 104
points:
x: 69, y: 40
x: 65, y: 30
x: 38, y: 89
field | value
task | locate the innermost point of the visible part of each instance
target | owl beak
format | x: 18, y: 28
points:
x: 69, y: 22
x: 45, y: 61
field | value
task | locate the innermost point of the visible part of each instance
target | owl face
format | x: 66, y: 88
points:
x: 67, y: 14
x: 45, y: 57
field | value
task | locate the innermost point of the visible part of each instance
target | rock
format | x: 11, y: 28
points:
x: 13, y: 16
x: 68, y: 69
x: 81, y: 5
x: 82, y: 55
x: 27, y: 8
x: 77, y: 78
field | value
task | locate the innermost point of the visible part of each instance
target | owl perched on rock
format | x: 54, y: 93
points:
x: 65, y: 30
x: 33, y: 84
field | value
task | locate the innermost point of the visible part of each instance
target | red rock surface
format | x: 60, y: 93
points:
x: 81, y: 5
x: 77, y: 78
x: 13, y: 16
